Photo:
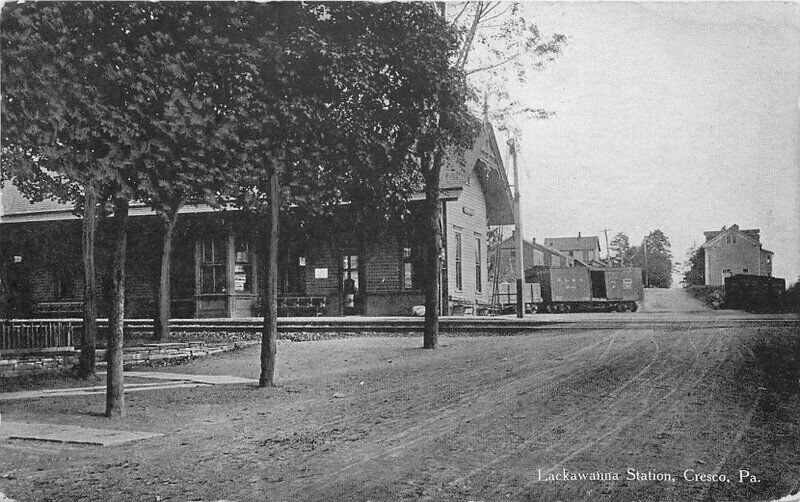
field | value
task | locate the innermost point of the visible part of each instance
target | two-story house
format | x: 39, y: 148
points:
x: 584, y: 249
x: 732, y: 251
x: 503, y: 258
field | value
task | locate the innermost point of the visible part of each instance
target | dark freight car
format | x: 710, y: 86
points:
x: 754, y: 293
x: 586, y: 289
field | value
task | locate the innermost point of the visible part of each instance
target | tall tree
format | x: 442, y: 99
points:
x: 73, y: 114
x: 509, y: 44
x: 357, y: 90
x: 622, y: 251
x: 184, y: 85
x: 655, y: 258
x: 61, y: 117
x: 695, y: 267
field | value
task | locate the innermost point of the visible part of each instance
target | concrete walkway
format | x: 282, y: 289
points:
x: 205, y: 379
x: 97, y: 389
x: 171, y: 381
x: 70, y: 434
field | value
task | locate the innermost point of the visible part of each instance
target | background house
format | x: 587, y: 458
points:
x: 732, y: 251
x: 503, y: 258
x: 585, y: 249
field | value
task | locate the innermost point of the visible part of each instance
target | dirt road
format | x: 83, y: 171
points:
x: 630, y: 414
x: 670, y: 300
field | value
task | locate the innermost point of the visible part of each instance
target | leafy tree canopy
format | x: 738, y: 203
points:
x: 622, y: 251
x: 657, y: 265
x: 695, y: 273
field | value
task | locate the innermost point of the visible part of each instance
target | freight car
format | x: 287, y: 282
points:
x: 754, y: 293
x: 582, y: 289
x: 504, y: 299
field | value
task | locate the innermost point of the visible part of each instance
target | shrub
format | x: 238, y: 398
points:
x: 711, y: 296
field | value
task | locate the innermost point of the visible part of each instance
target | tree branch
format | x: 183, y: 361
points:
x: 492, y: 66
x: 499, y: 14
x: 463, y: 9
x: 468, y: 41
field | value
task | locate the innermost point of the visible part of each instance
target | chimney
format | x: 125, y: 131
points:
x: 579, y: 235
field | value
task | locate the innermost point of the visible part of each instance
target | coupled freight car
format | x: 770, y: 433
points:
x: 754, y: 293
x: 577, y: 289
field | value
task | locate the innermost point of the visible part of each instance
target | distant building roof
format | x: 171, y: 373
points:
x: 715, y: 236
x: 573, y: 243
x: 753, y: 233
x: 510, y: 243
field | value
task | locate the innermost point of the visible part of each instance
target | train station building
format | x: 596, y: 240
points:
x: 216, y: 256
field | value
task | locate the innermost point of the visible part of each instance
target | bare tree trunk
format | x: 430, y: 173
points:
x: 86, y: 360
x: 161, y: 321
x: 269, y: 334
x: 115, y: 396
x: 433, y: 235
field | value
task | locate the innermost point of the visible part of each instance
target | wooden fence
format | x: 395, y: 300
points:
x: 37, y: 334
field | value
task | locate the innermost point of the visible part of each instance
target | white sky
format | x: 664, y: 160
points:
x: 678, y: 116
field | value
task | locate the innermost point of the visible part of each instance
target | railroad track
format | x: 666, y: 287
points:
x: 452, y: 325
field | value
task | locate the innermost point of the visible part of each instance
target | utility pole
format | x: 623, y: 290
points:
x: 518, y: 232
x: 608, y: 251
x: 646, y: 278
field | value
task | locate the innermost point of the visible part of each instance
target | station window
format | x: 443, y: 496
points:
x: 242, y: 271
x: 350, y: 273
x: 459, y: 277
x: 212, y: 266
x: 412, y: 266
x: 478, y: 268
x: 63, y: 286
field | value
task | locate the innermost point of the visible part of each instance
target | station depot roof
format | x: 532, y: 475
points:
x: 484, y: 158
x: 16, y: 208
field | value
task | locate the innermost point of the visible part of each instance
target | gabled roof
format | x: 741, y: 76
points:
x: 715, y: 237
x: 753, y: 233
x: 510, y: 243
x: 484, y: 158
x: 13, y: 202
x: 573, y: 243
x: 16, y: 208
